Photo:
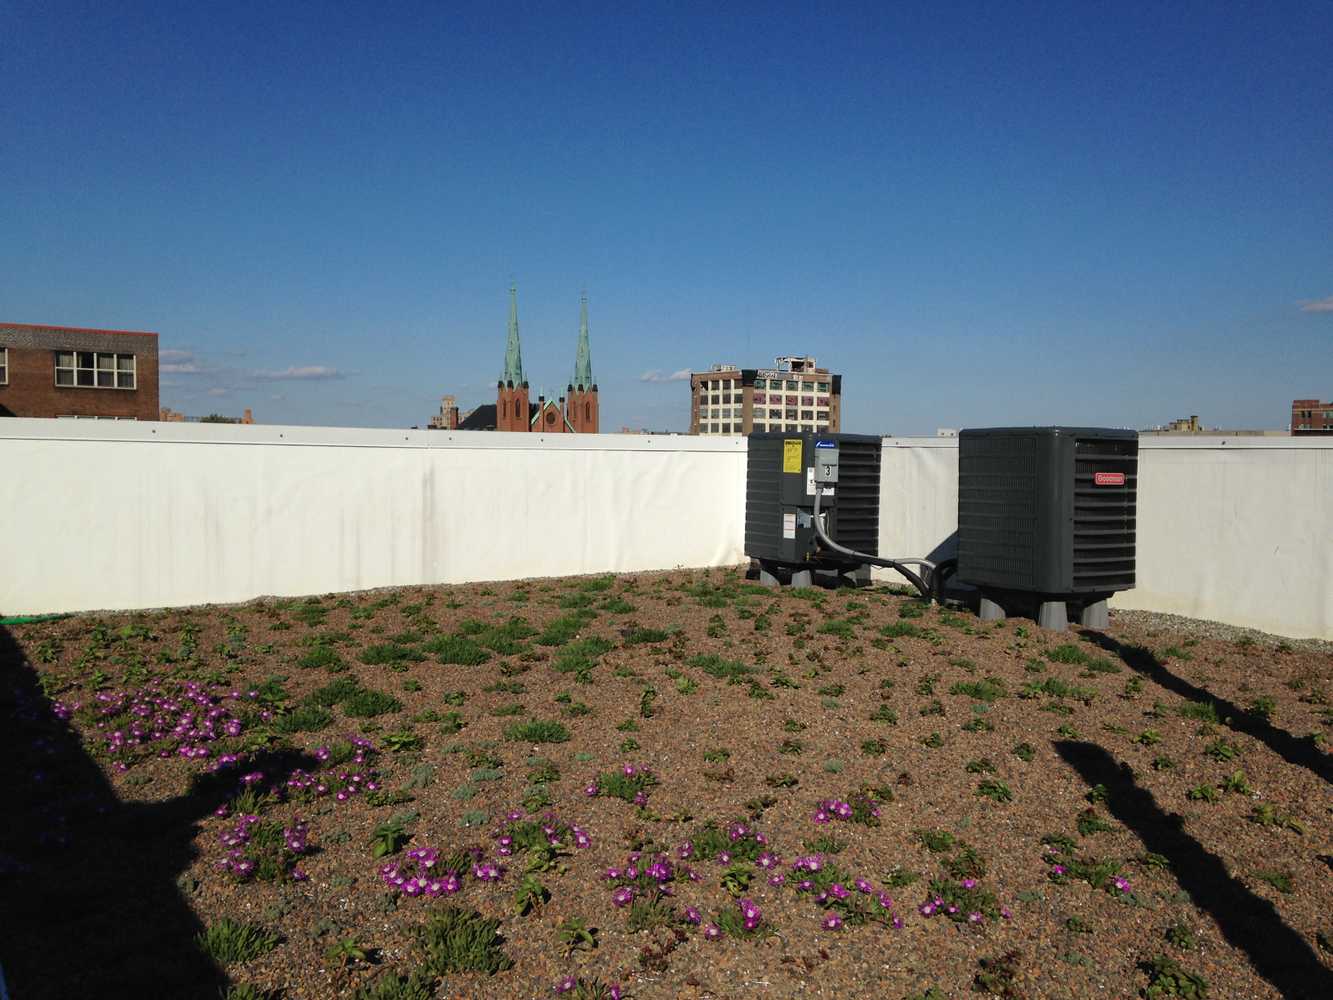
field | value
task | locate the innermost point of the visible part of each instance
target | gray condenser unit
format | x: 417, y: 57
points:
x: 781, y: 475
x: 1046, y: 518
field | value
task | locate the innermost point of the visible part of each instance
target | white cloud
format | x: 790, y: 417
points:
x: 218, y: 391
x: 656, y: 376
x: 1318, y: 305
x: 180, y: 368
x: 301, y: 373
x: 175, y: 355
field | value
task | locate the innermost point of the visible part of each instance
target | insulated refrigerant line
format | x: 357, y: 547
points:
x: 898, y: 564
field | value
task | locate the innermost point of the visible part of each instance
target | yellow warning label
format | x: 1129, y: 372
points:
x: 791, y: 455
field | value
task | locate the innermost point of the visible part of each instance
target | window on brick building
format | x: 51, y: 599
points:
x: 4, y: 365
x: 95, y: 369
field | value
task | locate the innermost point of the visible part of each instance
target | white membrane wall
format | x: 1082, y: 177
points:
x: 120, y: 515
x: 103, y: 515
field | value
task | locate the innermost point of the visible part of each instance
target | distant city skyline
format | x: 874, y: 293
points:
x: 979, y: 215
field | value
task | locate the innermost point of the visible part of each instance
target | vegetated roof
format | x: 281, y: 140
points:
x: 1138, y: 807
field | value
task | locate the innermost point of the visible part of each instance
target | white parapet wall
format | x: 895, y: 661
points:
x: 119, y: 515
x: 1238, y: 530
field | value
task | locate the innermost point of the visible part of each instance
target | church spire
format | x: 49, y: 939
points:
x: 583, y: 359
x: 513, y: 353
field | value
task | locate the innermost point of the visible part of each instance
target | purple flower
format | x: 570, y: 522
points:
x: 565, y: 985
x: 623, y: 896
x: 712, y: 932
x: 692, y: 916
x: 591, y: 790
x: 885, y: 900
x: 974, y: 917
x: 863, y: 885
x: 777, y: 878
x: 831, y: 921
x: 685, y: 851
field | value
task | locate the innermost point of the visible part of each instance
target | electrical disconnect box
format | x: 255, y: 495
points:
x: 782, y: 474
x: 826, y: 461
x: 1046, y: 518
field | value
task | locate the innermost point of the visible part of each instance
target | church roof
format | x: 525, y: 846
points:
x: 483, y: 418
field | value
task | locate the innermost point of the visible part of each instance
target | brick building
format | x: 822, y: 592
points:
x: 576, y: 412
x: 63, y: 371
x: 1310, y: 416
x: 795, y: 396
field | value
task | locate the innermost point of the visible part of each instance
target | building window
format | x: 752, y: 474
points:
x: 774, y: 414
x: 760, y: 398
x: 821, y: 387
x: 726, y: 397
x: 4, y: 366
x: 807, y: 400
x: 96, y: 370
x: 791, y: 415
x: 807, y: 414
x: 587, y: 412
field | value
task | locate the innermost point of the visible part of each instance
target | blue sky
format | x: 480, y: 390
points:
x: 980, y: 214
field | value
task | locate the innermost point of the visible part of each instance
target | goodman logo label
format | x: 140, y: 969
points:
x: 1108, y: 479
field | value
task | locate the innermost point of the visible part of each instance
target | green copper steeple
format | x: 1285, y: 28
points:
x: 583, y: 359
x: 513, y: 353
